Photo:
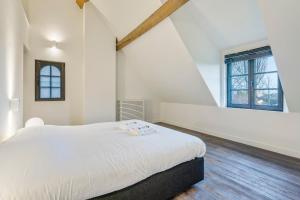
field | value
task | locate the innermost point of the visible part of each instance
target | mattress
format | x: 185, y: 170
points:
x: 82, y: 162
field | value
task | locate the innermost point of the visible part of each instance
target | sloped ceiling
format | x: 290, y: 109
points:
x: 204, y: 52
x: 207, y: 27
x: 159, y: 57
x: 125, y: 15
x: 230, y: 23
x: 168, y: 59
x: 283, y: 27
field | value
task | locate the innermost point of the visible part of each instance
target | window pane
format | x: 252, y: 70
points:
x: 55, y: 93
x: 45, y: 71
x: 239, y: 82
x: 265, y: 64
x: 44, y: 81
x: 266, y: 98
x: 266, y: 81
x: 239, y: 68
x: 45, y: 93
x: 239, y: 97
x: 55, y: 71
x: 55, y: 82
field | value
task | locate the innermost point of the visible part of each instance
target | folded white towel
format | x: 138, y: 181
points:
x: 146, y: 130
x: 137, y: 128
x: 129, y: 125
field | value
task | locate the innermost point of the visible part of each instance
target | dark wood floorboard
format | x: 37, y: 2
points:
x: 235, y: 171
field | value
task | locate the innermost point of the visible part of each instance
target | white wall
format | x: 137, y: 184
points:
x: 200, y: 46
x: 274, y: 131
x: 132, y: 87
x: 158, y: 63
x: 179, y: 59
x: 25, y: 4
x: 13, y: 28
x: 61, y: 21
x: 283, y: 28
x: 208, y: 28
x: 100, y: 68
x: 130, y: 84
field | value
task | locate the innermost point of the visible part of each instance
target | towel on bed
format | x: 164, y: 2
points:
x: 137, y: 128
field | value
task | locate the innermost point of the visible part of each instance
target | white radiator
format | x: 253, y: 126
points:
x: 131, y: 109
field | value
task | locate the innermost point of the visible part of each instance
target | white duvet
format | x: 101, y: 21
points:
x: 82, y: 162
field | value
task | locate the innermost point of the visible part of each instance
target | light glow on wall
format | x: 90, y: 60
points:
x: 10, y: 69
x: 53, y: 42
x: 54, y: 36
x: 54, y: 48
x: 11, y: 84
x: 54, y: 45
x: 12, y: 118
x: 14, y: 105
x: 10, y: 126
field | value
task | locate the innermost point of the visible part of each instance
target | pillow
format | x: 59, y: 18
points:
x: 34, y: 122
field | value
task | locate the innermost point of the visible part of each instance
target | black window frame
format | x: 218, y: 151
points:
x: 250, y: 56
x: 39, y: 65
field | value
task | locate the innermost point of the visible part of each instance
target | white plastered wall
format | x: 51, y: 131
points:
x: 13, y: 33
x: 99, y: 68
x: 191, y: 28
x: 273, y: 131
x: 59, y: 21
x: 157, y: 66
x: 281, y: 19
x: 87, y: 46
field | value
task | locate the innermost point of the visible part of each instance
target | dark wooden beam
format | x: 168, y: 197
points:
x: 81, y: 3
x: 159, y: 15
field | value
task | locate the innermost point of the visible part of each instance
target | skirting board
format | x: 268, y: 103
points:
x: 284, y: 151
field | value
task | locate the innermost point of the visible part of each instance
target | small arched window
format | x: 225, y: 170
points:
x: 49, y: 81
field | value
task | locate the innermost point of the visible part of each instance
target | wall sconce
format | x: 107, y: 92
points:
x: 54, y: 45
x: 14, y: 105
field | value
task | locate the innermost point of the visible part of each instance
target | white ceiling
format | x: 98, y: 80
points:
x: 125, y: 15
x: 230, y: 23
x: 159, y: 56
x: 283, y: 27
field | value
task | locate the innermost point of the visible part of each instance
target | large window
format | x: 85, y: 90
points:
x: 49, y: 81
x: 253, y: 81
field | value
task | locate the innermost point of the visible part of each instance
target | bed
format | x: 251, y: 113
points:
x: 98, y: 161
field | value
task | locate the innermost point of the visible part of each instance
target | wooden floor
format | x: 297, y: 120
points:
x: 238, y: 172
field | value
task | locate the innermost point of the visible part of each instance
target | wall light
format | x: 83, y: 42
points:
x: 54, y: 45
x: 14, y: 105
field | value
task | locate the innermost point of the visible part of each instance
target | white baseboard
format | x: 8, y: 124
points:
x: 280, y: 150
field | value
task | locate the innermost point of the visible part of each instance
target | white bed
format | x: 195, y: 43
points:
x: 82, y: 162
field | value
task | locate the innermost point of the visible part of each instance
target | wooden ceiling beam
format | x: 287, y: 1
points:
x: 81, y: 3
x: 159, y: 15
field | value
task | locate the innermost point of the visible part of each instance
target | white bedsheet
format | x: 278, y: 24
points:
x: 82, y: 162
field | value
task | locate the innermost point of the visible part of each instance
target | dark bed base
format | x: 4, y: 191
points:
x: 164, y: 185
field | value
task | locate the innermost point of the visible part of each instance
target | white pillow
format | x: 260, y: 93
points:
x: 34, y: 122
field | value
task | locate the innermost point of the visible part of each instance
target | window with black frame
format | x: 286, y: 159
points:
x: 49, y: 81
x: 253, y: 81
